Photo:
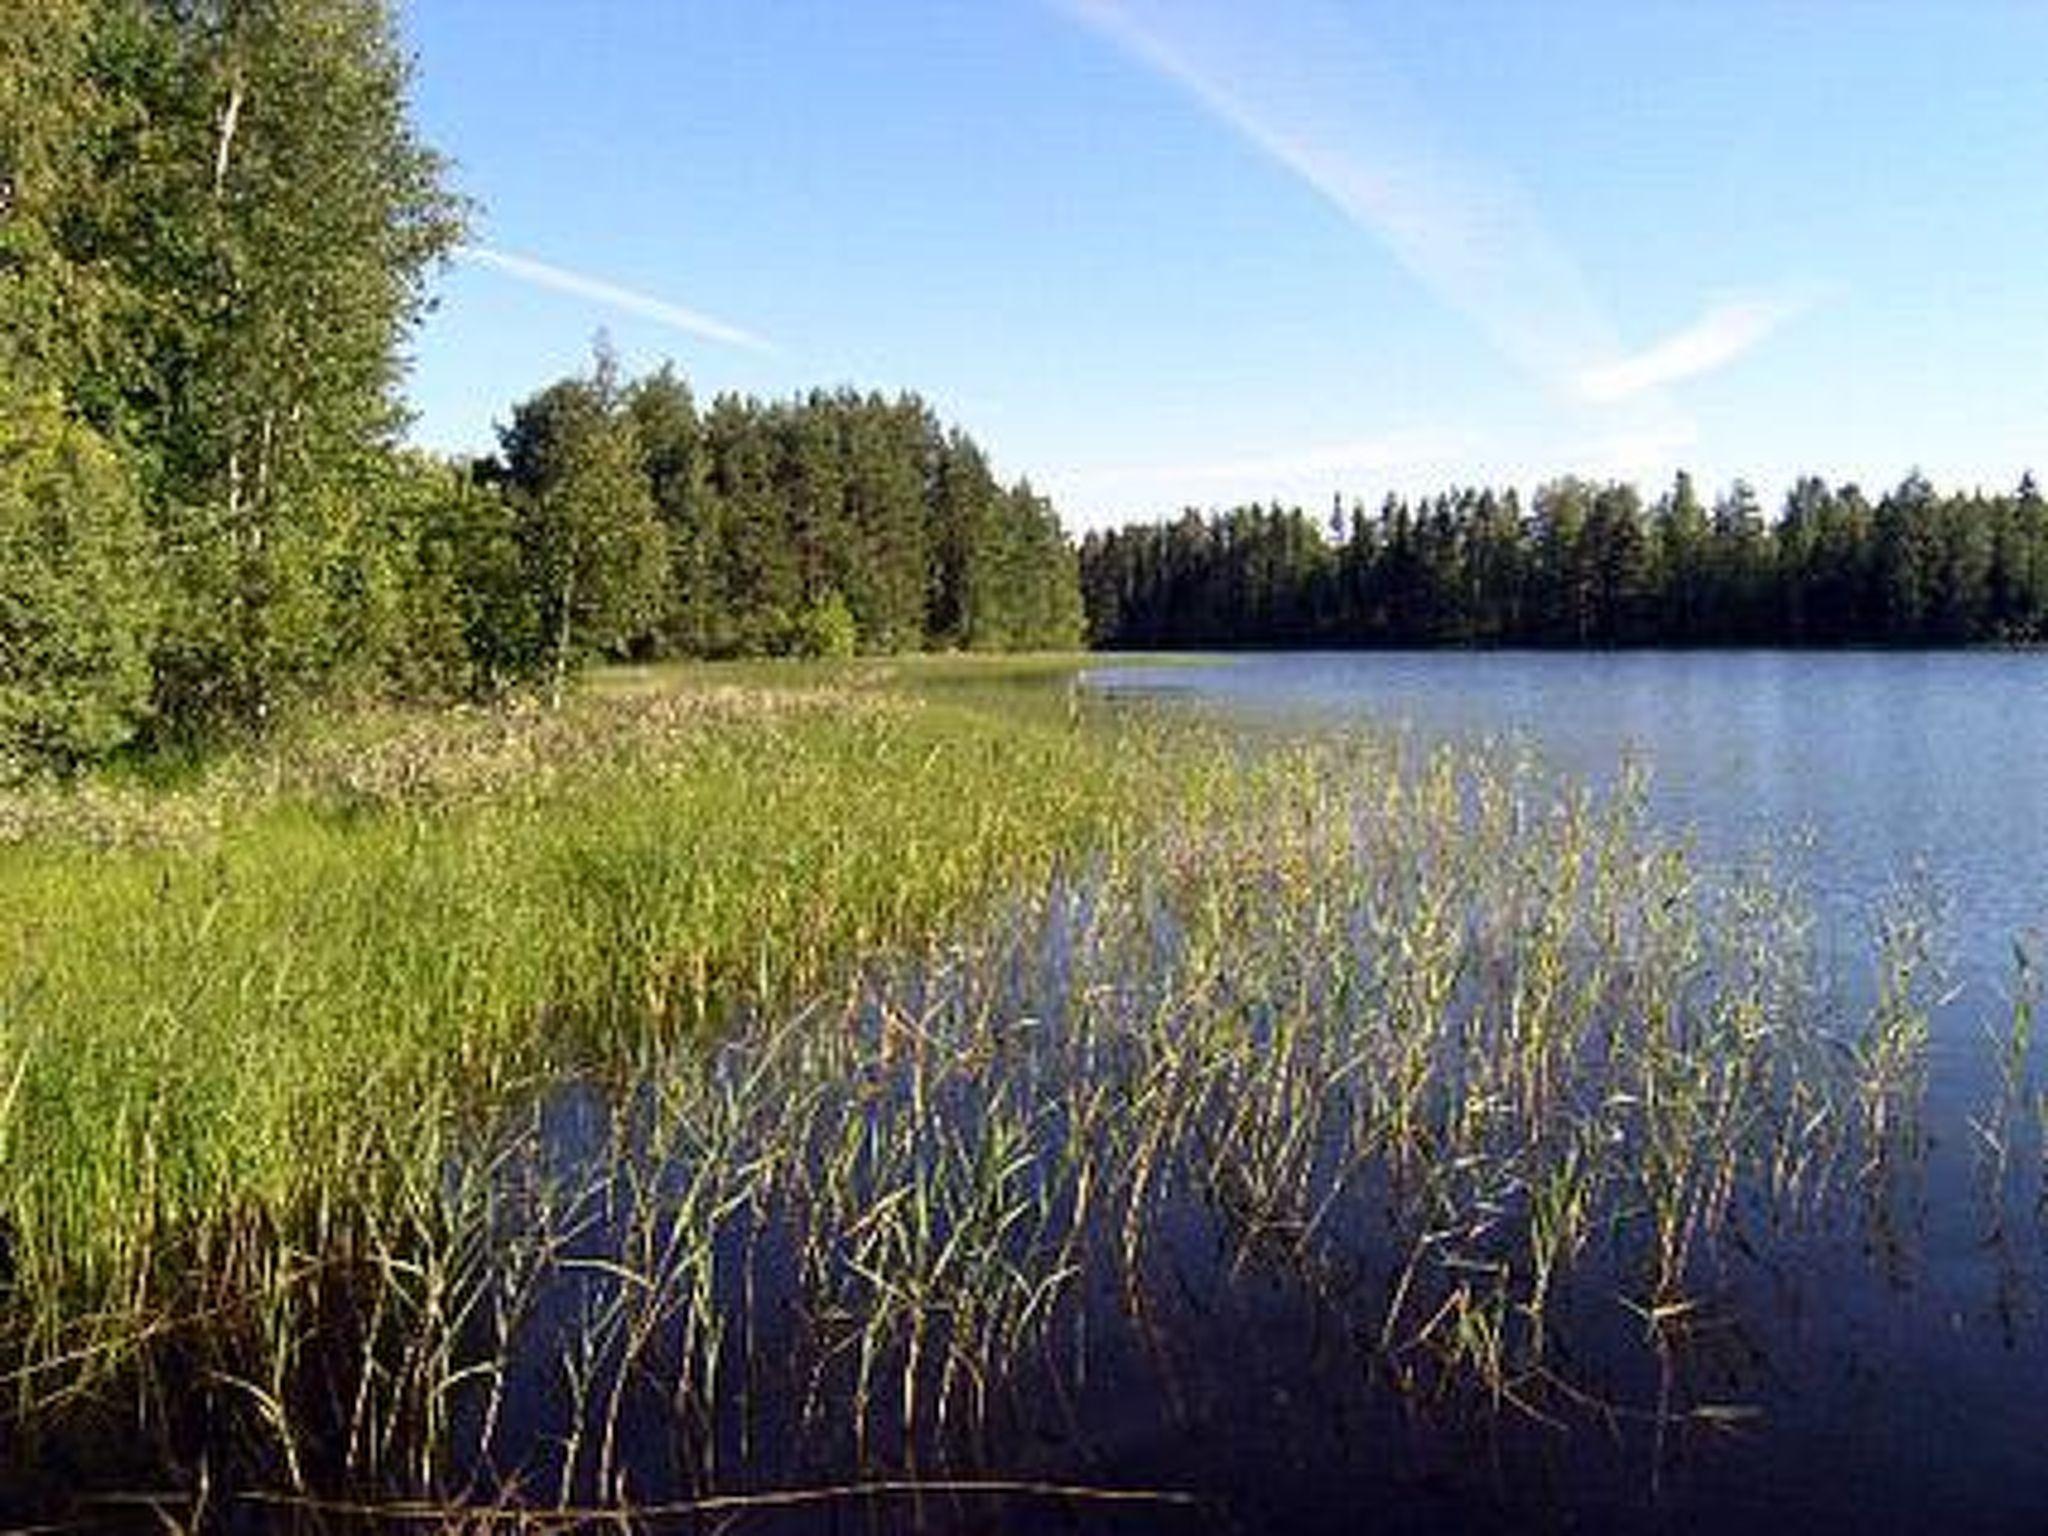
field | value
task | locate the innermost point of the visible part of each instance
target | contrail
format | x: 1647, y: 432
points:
x: 1720, y: 336
x: 1296, y: 82
x: 1299, y: 83
x: 547, y: 275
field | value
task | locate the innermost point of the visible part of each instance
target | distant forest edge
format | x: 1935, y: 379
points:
x: 1585, y: 564
x: 217, y: 231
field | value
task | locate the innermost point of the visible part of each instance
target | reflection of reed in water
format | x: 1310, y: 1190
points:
x: 1465, y: 1055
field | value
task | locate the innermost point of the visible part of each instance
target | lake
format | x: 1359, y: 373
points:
x: 1855, y: 767
x: 1372, y: 1143
x: 1898, y: 1392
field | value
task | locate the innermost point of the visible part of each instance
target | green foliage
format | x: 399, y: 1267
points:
x: 227, y: 228
x: 664, y: 417
x: 77, y: 607
x: 1586, y: 566
x: 455, y: 617
x: 595, y: 551
x: 54, y: 112
x: 779, y: 517
x: 218, y: 230
x: 826, y: 629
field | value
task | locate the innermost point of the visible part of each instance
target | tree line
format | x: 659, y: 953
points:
x: 217, y: 230
x: 826, y: 524
x: 1585, y: 564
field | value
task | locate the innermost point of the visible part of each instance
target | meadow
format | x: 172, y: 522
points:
x: 749, y: 1080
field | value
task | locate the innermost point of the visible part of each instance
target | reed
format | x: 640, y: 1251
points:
x: 732, y: 1080
x: 242, y: 1009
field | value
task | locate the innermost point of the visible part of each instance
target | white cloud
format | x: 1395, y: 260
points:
x: 1298, y: 82
x: 1301, y: 82
x: 1717, y: 338
x: 1307, y: 476
x: 1640, y: 455
x: 546, y: 275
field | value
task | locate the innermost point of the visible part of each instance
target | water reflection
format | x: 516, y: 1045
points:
x: 1886, y: 759
x: 1404, y: 1134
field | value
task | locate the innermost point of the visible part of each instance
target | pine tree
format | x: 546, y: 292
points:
x: 671, y: 440
x: 960, y: 515
x: 758, y: 577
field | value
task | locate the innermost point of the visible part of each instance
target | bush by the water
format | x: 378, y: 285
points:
x: 77, y: 593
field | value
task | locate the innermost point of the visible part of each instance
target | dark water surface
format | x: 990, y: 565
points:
x: 1874, y: 1365
x: 1897, y: 1380
x: 1881, y: 1369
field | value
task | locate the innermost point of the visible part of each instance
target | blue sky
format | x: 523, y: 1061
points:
x: 1165, y: 252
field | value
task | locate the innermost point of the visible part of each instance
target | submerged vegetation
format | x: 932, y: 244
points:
x: 757, y: 1075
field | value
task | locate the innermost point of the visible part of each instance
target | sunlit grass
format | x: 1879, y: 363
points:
x: 241, y: 1004
x: 369, y: 1081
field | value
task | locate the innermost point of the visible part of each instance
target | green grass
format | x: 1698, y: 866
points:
x: 240, y: 1003
x: 936, y: 976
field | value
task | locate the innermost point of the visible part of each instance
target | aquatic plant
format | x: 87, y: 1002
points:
x: 742, y: 1111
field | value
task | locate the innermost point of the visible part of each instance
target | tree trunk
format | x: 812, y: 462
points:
x: 230, y: 116
x: 562, y: 637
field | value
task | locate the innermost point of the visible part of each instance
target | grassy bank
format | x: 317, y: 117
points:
x: 236, y: 1005
x: 751, y: 1070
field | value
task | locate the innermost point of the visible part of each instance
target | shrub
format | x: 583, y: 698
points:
x: 77, y: 606
x: 826, y: 628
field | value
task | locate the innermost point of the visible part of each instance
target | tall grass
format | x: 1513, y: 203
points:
x: 1466, y: 1053
x: 234, y: 1012
x: 798, y: 1063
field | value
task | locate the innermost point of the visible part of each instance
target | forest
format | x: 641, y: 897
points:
x: 449, y: 1082
x: 218, y: 230
x: 1585, y: 564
